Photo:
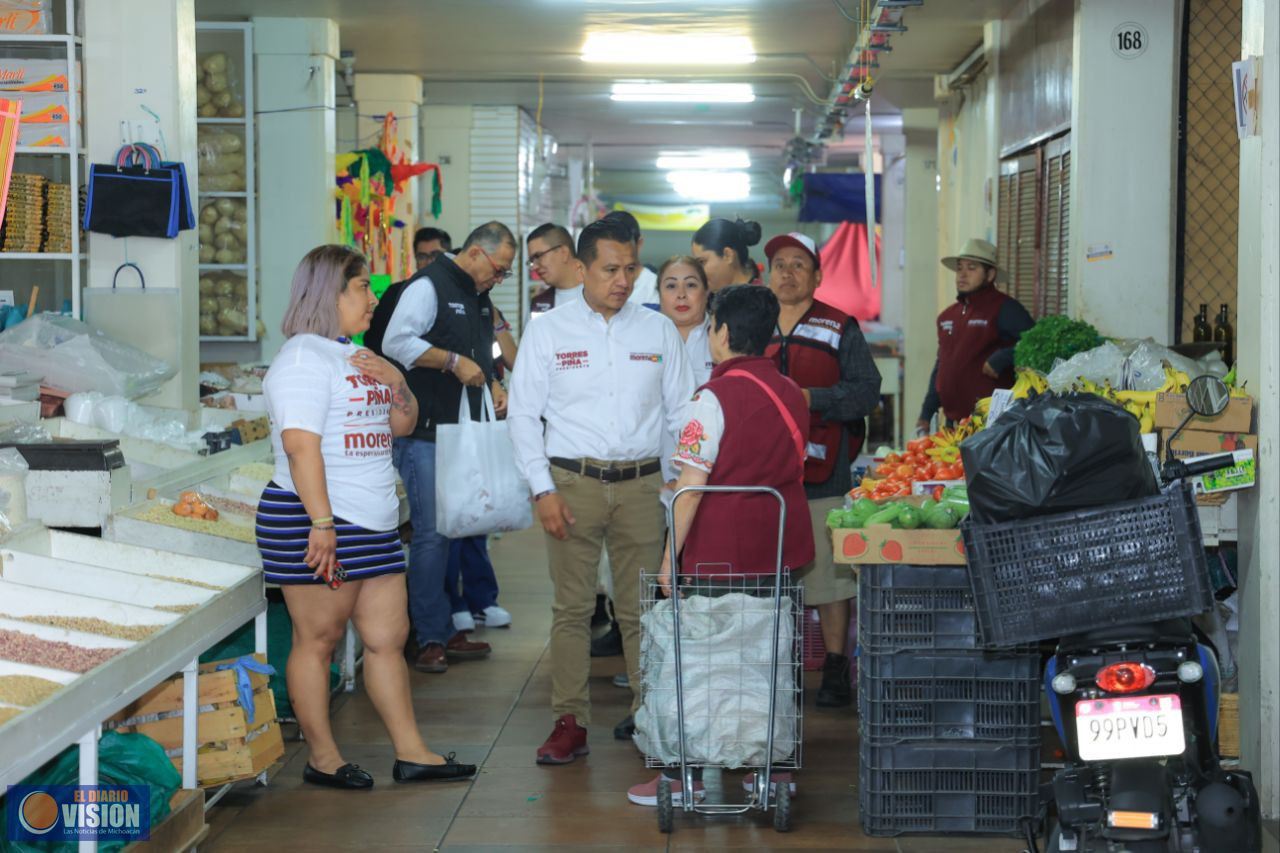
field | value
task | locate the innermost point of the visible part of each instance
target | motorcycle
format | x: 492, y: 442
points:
x: 1136, y: 707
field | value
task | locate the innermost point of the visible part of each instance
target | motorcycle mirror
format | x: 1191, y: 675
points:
x: 1208, y: 396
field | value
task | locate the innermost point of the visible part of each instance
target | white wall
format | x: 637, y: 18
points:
x: 1124, y: 159
x: 446, y: 136
x: 1258, y: 357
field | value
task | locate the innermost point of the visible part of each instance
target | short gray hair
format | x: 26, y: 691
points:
x: 321, y: 276
x: 491, y: 237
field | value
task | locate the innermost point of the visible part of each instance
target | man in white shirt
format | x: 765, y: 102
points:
x: 551, y: 256
x: 608, y: 378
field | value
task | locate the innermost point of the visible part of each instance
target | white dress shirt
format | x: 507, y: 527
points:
x: 607, y: 390
x: 698, y: 349
x: 646, y: 290
x: 414, y: 316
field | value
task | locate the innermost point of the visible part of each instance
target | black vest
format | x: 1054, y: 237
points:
x: 464, y: 324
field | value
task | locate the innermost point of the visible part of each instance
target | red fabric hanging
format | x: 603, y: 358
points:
x: 846, y: 275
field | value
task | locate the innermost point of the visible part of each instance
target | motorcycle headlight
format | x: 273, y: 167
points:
x: 1064, y: 683
x: 1190, y: 672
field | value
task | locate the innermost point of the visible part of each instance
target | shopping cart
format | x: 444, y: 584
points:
x: 711, y: 711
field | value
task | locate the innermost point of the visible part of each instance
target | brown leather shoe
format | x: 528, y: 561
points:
x: 431, y: 659
x: 463, y: 649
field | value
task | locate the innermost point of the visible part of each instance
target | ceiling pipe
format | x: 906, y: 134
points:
x: 849, y: 90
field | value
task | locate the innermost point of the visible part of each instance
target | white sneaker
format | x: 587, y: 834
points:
x: 462, y: 621
x: 494, y: 617
x: 621, y: 680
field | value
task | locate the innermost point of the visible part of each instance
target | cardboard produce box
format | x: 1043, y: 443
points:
x: 884, y: 544
x: 1196, y: 442
x: 1172, y: 408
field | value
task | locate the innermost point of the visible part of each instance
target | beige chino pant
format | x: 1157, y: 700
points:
x: 626, y: 518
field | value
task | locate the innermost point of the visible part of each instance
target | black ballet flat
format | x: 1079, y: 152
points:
x: 450, y: 771
x: 348, y: 776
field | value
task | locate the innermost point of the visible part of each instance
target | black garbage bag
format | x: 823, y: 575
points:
x: 1055, y: 453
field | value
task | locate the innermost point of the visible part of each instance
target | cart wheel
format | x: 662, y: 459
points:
x: 782, y: 808
x: 666, y: 810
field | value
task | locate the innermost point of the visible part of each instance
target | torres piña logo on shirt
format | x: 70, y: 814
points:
x: 358, y: 439
x: 571, y: 359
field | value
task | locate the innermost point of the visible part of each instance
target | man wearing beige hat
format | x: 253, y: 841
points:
x: 976, y: 336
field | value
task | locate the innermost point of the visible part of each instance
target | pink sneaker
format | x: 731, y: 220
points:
x: 647, y: 794
x: 749, y: 783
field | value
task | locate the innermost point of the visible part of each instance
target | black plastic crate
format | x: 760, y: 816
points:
x: 943, y: 788
x: 966, y: 696
x: 915, y: 607
x: 1037, y: 578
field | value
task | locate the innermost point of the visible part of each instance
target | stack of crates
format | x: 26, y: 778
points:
x: 950, y: 734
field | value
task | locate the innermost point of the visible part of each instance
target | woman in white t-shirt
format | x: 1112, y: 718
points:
x: 327, y: 522
x: 682, y: 298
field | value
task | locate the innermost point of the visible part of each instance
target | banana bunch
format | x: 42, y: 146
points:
x: 1140, y: 404
x: 983, y: 407
x: 1175, y: 381
x: 1029, y: 382
x: 949, y: 454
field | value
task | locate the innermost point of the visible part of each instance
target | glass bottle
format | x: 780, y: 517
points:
x: 1224, y: 335
x: 1202, y: 331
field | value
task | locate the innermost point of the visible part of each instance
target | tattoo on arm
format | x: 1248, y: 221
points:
x: 400, y: 399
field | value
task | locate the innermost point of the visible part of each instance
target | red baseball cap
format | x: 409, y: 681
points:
x: 800, y: 241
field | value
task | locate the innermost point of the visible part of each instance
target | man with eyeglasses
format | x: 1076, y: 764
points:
x: 822, y: 350
x: 439, y: 327
x: 551, y: 256
x: 429, y: 244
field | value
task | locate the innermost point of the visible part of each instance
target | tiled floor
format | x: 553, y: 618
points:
x: 495, y: 713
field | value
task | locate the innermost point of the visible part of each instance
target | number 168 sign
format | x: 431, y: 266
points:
x: 1129, y: 40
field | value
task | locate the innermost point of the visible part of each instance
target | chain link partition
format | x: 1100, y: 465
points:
x: 1211, y: 176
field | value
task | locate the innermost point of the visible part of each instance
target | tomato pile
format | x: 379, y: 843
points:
x: 935, y: 457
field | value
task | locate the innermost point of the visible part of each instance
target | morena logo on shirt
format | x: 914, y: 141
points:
x: 654, y: 357
x: 978, y: 321
x: 353, y: 441
x: 571, y: 359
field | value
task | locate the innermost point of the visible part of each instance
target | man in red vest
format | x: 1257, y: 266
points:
x: 822, y: 349
x: 747, y: 426
x: 976, y: 336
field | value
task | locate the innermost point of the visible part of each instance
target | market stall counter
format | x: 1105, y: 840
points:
x: 112, y: 630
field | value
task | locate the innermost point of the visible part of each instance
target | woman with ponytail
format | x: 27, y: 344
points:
x: 721, y: 247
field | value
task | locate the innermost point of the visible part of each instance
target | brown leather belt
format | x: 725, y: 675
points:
x: 612, y: 472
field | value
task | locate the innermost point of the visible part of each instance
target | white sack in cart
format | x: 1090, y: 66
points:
x: 725, y: 657
x: 479, y: 489
x: 74, y: 356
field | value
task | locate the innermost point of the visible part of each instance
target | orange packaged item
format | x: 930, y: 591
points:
x: 29, y: 17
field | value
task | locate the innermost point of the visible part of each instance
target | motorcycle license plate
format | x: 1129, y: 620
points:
x: 1138, y: 727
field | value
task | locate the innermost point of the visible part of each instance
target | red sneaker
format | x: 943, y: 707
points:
x: 567, y: 741
x: 646, y: 794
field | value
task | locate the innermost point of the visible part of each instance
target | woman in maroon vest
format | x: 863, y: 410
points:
x: 976, y: 336
x: 747, y: 427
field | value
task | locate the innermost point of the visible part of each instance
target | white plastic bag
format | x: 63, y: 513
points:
x: 74, y: 356
x: 479, y: 489
x: 726, y: 659
x: 13, y: 493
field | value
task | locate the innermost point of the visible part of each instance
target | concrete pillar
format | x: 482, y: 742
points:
x: 920, y: 336
x: 1258, y: 359
x: 295, y: 67
x: 446, y: 139
x: 125, y: 81
x: 400, y: 94
x: 1124, y: 110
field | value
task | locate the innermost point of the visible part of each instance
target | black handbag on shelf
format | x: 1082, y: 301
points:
x: 138, y: 196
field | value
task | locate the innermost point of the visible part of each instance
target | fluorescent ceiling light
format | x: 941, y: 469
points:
x: 695, y: 93
x: 727, y: 158
x: 663, y: 49
x: 711, y: 186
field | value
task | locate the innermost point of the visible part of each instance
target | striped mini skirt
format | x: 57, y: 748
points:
x: 283, y: 527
